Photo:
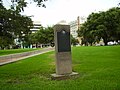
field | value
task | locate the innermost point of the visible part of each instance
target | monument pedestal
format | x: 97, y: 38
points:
x: 63, y: 63
x: 63, y: 53
x: 64, y: 76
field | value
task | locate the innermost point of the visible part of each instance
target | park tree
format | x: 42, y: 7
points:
x: 43, y: 36
x: 33, y: 39
x: 6, y: 34
x: 18, y: 5
x: 74, y: 41
x: 13, y: 25
x: 50, y: 35
x: 103, y: 25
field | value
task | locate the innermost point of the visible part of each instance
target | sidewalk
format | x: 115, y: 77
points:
x: 16, y: 57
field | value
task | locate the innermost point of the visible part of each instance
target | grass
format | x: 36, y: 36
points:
x: 13, y: 51
x: 98, y: 68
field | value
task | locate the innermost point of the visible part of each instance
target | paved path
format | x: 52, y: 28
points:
x: 13, y: 57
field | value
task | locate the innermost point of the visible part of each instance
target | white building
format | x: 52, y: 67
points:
x: 36, y: 26
x: 74, y: 28
x: 75, y: 25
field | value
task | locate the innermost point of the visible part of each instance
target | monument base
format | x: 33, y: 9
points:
x: 63, y: 77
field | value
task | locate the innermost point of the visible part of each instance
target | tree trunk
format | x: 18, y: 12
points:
x: 105, y: 42
x: 36, y: 45
x: 90, y: 44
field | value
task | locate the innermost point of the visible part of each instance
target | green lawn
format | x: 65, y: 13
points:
x: 98, y: 68
x: 13, y: 51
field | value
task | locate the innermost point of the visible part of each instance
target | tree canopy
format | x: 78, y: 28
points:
x: 19, y: 5
x: 43, y: 36
x: 105, y: 25
x: 12, y: 25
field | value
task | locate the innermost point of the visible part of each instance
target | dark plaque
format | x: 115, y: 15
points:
x: 63, y: 40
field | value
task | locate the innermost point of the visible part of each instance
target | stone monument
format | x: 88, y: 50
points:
x: 63, y: 52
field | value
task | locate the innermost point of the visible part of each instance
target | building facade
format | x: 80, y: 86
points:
x: 36, y: 26
x: 75, y: 26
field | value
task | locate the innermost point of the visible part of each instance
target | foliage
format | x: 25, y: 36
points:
x: 43, y: 36
x: 97, y: 71
x: 105, y: 25
x: 18, y: 5
x: 74, y: 41
x: 13, y: 25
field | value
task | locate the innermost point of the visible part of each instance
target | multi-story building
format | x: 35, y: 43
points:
x: 36, y: 26
x: 75, y: 26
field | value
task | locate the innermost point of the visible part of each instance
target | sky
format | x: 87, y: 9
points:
x: 68, y: 10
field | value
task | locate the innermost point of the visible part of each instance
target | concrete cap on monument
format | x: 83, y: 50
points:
x: 62, y: 22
